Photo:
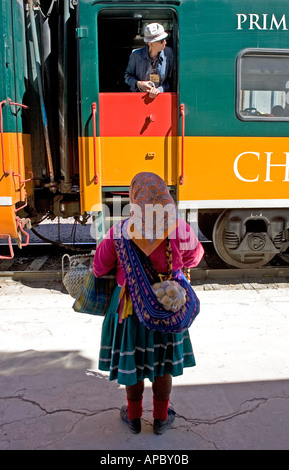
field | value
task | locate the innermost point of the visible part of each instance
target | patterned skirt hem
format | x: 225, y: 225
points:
x: 139, y: 373
x: 130, y: 352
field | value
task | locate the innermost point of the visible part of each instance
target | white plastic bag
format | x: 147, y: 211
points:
x: 170, y: 294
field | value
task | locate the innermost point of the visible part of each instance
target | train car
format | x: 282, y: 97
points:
x: 73, y: 135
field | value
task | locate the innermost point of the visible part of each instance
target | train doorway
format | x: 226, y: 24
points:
x: 137, y: 133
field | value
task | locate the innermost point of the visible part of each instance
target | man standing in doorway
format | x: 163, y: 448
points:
x: 150, y: 68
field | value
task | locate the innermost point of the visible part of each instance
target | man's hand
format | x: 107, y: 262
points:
x: 153, y: 92
x: 148, y: 87
x: 144, y: 86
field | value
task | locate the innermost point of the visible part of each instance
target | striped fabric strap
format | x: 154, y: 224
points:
x: 169, y: 256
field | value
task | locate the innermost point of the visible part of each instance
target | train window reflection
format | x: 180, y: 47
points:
x: 263, y: 85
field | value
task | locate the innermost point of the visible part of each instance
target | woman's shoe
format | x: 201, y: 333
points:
x: 134, y: 424
x: 161, y: 426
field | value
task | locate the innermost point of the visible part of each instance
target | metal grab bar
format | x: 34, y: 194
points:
x: 2, y: 103
x: 13, y: 172
x: 18, y: 104
x: 182, y: 109
x: 19, y: 176
x: 93, y: 106
x: 20, y: 225
x: 22, y: 207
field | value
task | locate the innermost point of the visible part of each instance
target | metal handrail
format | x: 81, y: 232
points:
x: 182, y: 109
x: 2, y: 103
x: 93, y: 106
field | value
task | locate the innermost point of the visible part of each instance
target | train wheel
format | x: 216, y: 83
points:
x: 225, y: 245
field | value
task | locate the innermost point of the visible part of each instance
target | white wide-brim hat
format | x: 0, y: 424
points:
x: 154, y: 32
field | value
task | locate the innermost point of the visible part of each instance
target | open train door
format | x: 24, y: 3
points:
x: 125, y: 132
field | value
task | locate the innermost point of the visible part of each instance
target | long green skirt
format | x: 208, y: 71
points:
x: 131, y: 352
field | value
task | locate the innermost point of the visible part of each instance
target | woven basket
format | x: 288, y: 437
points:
x: 73, y: 276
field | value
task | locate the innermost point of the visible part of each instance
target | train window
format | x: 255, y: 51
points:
x: 263, y: 85
x: 119, y: 32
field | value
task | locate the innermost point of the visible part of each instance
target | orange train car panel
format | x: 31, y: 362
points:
x: 249, y: 168
x: 14, y: 178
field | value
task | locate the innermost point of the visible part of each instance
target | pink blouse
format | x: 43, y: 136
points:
x: 187, y: 252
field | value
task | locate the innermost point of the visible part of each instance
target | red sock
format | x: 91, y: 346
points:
x: 160, y: 409
x: 134, y: 409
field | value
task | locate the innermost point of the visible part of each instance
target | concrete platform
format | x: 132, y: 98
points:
x: 52, y: 395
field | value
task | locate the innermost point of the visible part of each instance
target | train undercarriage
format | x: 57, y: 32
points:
x: 250, y: 237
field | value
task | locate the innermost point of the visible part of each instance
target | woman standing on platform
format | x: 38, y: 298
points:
x: 129, y: 350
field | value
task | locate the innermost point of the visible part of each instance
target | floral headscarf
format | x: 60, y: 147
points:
x: 153, y: 211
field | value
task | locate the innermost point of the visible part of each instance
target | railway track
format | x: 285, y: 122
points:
x: 44, y: 262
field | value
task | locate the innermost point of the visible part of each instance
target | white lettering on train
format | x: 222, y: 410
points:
x: 269, y: 165
x: 264, y: 22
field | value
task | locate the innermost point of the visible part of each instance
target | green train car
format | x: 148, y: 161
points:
x: 73, y: 135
